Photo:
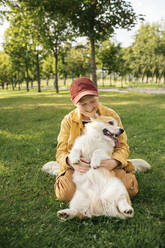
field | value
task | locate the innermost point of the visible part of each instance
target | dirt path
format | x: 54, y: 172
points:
x: 147, y: 90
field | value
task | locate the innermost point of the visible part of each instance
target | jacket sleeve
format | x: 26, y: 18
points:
x: 62, y: 145
x: 121, y: 153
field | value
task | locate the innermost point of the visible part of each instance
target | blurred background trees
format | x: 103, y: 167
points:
x: 41, y: 44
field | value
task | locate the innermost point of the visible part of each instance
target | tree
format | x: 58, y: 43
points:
x: 127, y: 61
x: 77, y: 62
x: 47, y: 28
x: 54, y: 32
x: 109, y: 56
x: 5, y: 69
x: 19, y: 49
x: 64, y: 63
x: 161, y: 52
x: 148, y: 51
x: 47, y: 68
x: 97, y: 20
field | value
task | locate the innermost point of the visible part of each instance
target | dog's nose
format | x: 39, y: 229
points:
x: 121, y: 130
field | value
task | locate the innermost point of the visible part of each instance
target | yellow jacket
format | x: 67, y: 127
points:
x: 72, y: 127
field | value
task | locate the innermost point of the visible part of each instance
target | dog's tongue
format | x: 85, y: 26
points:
x: 117, y: 143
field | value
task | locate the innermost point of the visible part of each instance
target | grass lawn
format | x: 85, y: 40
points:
x: 29, y: 125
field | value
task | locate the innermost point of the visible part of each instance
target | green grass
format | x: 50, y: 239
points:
x: 29, y: 125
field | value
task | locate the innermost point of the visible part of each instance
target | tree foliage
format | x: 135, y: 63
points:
x: 147, y: 49
x: 18, y: 45
x: 110, y: 56
x: 94, y: 19
x: 97, y: 20
x: 39, y: 40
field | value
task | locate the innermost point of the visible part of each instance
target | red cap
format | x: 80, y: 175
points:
x: 82, y: 87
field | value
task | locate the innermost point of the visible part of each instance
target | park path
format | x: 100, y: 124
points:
x: 147, y: 90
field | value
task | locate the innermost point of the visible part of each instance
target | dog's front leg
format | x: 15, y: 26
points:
x: 74, y: 156
x: 97, y: 157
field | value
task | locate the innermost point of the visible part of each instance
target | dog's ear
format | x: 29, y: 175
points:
x: 94, y: 117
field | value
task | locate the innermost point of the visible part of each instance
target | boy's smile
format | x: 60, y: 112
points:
x: 88, y: 106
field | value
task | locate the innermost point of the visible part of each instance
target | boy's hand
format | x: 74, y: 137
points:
x: 109, y: 164
x: 82, y: 166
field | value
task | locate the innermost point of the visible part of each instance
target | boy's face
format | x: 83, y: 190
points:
x: 88, y: 106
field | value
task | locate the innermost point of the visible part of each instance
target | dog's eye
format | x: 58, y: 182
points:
x: 111, y: 122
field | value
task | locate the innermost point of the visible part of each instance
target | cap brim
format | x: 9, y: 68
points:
x: 84, y: 93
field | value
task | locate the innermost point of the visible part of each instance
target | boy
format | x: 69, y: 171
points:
x: 84, y: 96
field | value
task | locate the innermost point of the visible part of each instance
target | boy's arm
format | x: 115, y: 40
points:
x: 62, y: 146
x: 121, y: 153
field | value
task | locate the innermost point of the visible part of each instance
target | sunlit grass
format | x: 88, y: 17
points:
x: 29, y: 126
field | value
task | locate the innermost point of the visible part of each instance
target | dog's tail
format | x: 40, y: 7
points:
x: 140, y: 164
x: 51, y: 167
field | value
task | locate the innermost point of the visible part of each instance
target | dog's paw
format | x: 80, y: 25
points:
x: 125, y: 208
x: 74, y: 158
x: 66, y: 214
x: 97, y: 157
x: 95, y: 163
x: 62, y: 214
x: 128, y: 211
x: 74, y: 161
x: 95, y: 166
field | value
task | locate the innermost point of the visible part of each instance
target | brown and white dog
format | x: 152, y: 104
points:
x: 98, y: 192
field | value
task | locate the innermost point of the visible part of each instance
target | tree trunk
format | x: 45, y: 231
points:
x: 102, y: 78
x: 156, y: 79
x: 93, y: 65
x: 31, y: 84
x: 152, y: 76
x: 56, y: 72
x: 143, y: 78
x: 38, y: 73
x: 27, y: 78
x: 65, y: 81
x: 19, y: 86
x: 47, y: 81
x: 121, y: 81
x: 147, y: 80
x: 12, y: 84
